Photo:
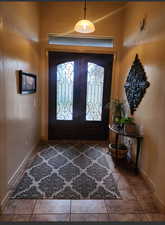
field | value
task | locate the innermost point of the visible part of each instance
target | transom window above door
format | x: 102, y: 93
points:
x: 106, y: 42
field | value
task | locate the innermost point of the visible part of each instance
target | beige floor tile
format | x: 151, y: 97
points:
x: 21, y: 218
x: 88, y: 206
x: 19, y: 207
x: 52, y: 206
x: 148, y: 206
x: 127, y: 194
x: 123, y: 206
x: 90, y: 217
x: 51, y: 217
x: 142, y: 193
x: 128, y: 217
x: 6, y: 218
x: 141, y: 190
x: 135, y: 179
x: 159, y: 217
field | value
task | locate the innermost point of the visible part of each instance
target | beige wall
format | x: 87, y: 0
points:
x: 60, y: 18
x: 19, y: 117
x: 149, y: 44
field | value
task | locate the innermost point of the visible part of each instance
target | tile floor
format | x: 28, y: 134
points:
x: 136, y: 205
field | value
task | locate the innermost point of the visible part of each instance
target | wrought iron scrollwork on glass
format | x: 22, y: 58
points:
x: 65, y: 79
x: 94, y: 98
x: 136, y: 84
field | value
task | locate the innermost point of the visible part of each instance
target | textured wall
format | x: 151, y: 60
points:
x: 149, y: 44
x: 19, y: 117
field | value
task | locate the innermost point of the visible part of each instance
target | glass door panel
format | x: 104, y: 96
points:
x: 65, y: 79
x: 94, y: 98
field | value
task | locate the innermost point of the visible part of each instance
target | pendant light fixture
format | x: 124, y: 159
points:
x: 84, y: 26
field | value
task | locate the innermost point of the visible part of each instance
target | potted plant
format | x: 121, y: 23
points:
x: 117, y: 109
x: 122, y: 150
x: 125, y: 120
x: 128, y: 124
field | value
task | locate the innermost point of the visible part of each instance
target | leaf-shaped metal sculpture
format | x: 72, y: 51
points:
x: 136, y: 84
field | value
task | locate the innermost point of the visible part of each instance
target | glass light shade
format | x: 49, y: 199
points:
x: 84, y: 26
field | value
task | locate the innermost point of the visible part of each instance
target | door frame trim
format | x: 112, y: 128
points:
x: 44, y: 71
x: 59, y: 129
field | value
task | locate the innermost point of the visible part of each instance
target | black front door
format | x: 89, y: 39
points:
x: 79, y: 91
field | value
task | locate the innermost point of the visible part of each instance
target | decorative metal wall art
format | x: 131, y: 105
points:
x: 136, y: 84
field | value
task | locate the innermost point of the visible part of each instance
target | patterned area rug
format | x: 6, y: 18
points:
x: 68, y: 172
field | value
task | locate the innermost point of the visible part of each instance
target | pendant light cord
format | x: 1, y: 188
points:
x: 85, y: 9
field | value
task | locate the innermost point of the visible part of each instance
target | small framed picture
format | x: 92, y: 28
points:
x: 27, y: 83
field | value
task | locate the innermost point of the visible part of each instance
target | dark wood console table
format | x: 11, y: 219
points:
x: 137, y: 136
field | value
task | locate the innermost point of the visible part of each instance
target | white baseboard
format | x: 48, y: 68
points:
x: 13, y: 179
x: 4, y: 201
x: 158, y: 202
x: 147, y: 179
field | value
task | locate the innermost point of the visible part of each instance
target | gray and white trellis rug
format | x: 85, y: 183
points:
x: 68, y: 172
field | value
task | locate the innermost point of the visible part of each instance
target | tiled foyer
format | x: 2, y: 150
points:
x: 137, y: 204
x: 20, y: 115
